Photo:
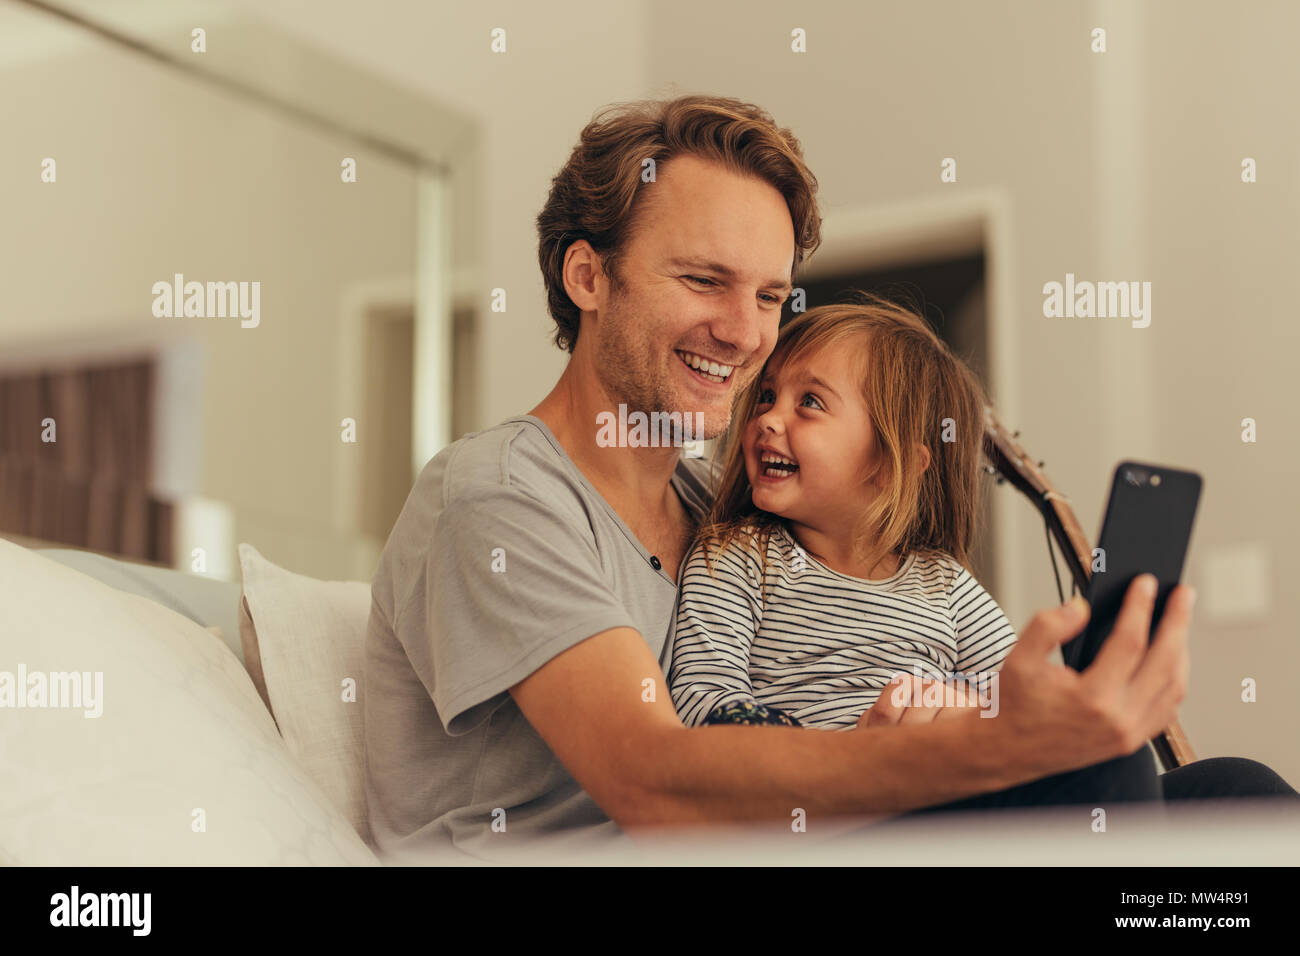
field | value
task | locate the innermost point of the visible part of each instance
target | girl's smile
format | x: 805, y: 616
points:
x: 775, y: 467
x: 810, y: 442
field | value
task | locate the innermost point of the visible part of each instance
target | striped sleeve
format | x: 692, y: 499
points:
x: 984, y: 635
x: 717, y: 618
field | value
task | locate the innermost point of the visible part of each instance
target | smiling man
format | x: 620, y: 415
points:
x: 514, y: 683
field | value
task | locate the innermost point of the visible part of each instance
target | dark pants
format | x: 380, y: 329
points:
x: 1134, y: 778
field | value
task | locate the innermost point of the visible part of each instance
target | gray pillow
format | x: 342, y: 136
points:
x: 206, y: 601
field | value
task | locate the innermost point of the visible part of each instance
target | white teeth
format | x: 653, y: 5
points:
x: 702, y: 364
x: 768, y: 457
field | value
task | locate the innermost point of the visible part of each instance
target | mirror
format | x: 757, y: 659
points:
x: 228, y: 312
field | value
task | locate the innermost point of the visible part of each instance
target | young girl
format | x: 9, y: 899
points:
x: 836, y: 554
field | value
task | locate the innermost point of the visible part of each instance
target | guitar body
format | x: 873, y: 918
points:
x: 1013, y: 464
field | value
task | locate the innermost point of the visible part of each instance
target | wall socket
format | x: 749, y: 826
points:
x: 1236, y: 584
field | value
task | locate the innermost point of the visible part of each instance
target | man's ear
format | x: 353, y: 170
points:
x: 584, y: 275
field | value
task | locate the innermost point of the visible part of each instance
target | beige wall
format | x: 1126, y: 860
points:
x: 1220, y: 86
x: 158, y: 174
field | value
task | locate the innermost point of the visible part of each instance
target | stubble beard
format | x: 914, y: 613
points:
x: 629, y: 374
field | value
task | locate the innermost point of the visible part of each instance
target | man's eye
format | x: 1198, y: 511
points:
x: 700, y: 279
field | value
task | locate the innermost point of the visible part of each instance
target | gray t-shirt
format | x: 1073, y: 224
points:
x: 503, y: 556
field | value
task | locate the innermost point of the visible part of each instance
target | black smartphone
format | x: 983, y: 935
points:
x: 1147, y: 527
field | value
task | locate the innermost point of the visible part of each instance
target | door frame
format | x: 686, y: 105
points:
x: 878, y: 236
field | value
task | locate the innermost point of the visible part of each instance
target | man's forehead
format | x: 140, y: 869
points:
x: 715, y: 221
x: 689, y: 239
x: 705, y: 198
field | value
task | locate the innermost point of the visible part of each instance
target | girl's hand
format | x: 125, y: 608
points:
x: 903, y: 701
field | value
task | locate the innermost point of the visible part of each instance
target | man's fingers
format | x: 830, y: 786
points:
x: 904, y: 695
x: 903, y: 700
x: 909, y: 692
x: 965, y: 698
x: 1050, y: 629
x: 919, y: 715
x: 889, y: 706
x: 880, y: 715
x: 921, y: 712
x: 1124, y: 647
x: 1162, y: 677
x: 1162, y: 710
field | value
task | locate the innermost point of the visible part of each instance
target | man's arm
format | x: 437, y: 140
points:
x: 643, y: 767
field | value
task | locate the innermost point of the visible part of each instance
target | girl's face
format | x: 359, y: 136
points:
x: 812, y: 414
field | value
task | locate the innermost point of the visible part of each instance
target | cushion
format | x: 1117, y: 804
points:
x: 207, y: 601
x: 303, y: 643
x: 182, y: 766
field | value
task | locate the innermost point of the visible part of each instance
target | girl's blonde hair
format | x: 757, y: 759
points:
x: 917, y: 393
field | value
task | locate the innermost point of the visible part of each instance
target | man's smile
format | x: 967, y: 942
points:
x: 705, y: 368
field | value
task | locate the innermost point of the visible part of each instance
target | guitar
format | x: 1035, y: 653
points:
x: 1012, y: 463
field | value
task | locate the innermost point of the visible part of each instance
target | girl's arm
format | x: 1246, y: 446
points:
x: 984, y: 635
x: 716, y: 620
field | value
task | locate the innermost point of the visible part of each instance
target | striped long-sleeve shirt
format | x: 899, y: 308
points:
x: 817, y: 644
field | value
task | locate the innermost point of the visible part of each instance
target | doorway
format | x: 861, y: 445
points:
x: 941, y: 258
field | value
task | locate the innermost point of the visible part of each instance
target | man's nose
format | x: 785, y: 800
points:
x: 739, y: 323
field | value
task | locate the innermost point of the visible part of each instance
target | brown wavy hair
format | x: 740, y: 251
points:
x: 594, y: 197
x: 911, y: 384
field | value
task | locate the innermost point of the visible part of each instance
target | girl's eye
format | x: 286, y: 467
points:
x: 766, y: 396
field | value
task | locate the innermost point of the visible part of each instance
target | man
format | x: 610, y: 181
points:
x: 515, y: 657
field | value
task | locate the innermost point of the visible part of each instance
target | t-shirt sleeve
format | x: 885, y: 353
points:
x: 508, y: 584
x: 716, y: 620
x: 984, y: 635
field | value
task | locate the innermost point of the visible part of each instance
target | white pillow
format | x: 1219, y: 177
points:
x: 181, y: 730
x: 304, y: 644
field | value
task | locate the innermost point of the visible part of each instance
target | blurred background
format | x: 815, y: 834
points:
x: 178, y: 438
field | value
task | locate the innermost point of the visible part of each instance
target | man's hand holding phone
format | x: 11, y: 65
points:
x: 1058, y: 719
